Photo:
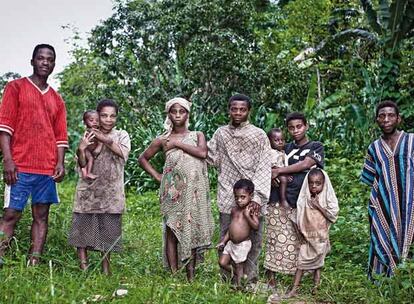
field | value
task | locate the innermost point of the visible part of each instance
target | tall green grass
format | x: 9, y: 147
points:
x: 139, y: 267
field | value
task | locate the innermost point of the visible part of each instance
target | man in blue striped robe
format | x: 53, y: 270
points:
x: 389, y: 170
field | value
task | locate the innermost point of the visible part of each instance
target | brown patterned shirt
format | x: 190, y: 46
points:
x: 242, y: 152
x: 105, y: 194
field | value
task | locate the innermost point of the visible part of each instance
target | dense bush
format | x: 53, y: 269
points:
x: 151, y: 51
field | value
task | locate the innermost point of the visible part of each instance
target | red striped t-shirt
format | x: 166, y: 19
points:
x: 36, y: 121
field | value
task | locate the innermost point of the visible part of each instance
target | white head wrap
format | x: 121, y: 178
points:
x: 327, y: 199
x: 168, y: 123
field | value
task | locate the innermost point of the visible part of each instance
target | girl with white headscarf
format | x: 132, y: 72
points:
x: 317, y: 209
x: 184, y: 190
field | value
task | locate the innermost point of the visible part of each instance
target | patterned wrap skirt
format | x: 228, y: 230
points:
x: 96, y: 231
x: 282, y: 241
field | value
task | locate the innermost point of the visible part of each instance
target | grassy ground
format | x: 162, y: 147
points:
x: 139, y: 268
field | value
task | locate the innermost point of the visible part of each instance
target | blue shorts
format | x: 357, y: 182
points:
x: 41, y: 188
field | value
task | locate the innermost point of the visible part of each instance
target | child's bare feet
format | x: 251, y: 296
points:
x: 292, y: 293
x: 271, y: 284
x: 271, y: 281
x: 316, y: 280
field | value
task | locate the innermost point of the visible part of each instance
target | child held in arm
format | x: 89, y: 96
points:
x: 91, y: 121
x: 317, y: 209
x: 277, y: 142
x: 236, y: 242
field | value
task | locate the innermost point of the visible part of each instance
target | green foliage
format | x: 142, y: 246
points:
x: 151, y: 51
x: 5, y: 78
x: 306, y: 21
x: 392, y: 24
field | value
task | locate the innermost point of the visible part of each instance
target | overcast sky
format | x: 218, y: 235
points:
x: 25, y: 23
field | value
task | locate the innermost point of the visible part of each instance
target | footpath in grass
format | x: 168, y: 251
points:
x: 138, y: 269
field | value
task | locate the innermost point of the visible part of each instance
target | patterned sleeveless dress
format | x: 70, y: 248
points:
x: 185, y: 200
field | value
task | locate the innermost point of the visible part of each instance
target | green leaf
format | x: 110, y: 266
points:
x: 312, y: 93
x: 358, y: 115
x: 397, y: 10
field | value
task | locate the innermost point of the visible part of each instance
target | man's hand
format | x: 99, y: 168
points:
x: 9, y: 172
x: 59, y: 173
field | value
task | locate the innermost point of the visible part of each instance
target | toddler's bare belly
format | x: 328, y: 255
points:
x: 238, y: 236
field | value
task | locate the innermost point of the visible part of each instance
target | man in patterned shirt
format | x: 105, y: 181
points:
x: 241, y: 150
x: 33, y: 139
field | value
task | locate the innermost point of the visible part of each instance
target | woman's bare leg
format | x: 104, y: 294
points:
x: 106, y: 263
x: 171, y: 250
x: 83, y: 258
x: 191, y: 266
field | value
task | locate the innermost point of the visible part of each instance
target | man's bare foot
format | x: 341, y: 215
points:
x: 292, y: 293
x: 4, y: 243
x: 92, y: 176
x: 83, y: 265
x: 34, y: 259
x: 315, y: 289
x: 274, y: 299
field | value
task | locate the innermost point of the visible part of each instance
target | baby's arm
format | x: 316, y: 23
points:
x: 85, y: 141
x: 200, y: 151
x: 145, y: 157
x: 251, y: 217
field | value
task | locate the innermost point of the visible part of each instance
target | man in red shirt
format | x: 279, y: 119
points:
x: 33, y: 139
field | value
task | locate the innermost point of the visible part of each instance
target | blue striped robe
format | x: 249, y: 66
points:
x: 391, y: 214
